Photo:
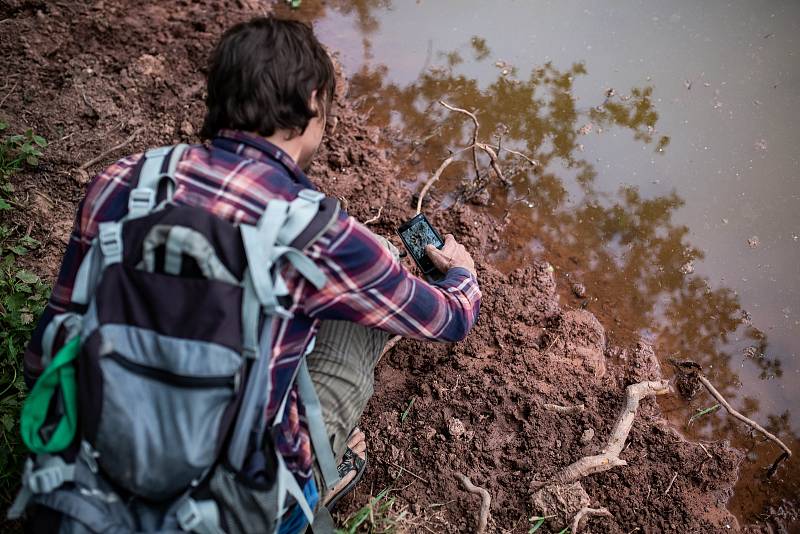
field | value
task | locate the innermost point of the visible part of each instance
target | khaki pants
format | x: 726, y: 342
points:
x: 342, y: 367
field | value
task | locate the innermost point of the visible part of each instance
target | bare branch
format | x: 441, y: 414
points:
x: 436, y: 176
x: 609, y: 457
x: 486, y: 501
x: 111, y: 150
x: 746, y: 420
x: 474, y: 134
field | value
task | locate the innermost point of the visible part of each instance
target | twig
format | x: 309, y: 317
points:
x: 705, y: 450
x: 401, y: 468
x: 720, y: 399
x: 486, y: 501
x: 609, y: 456
x: 499, y: 149
x: 111, y: 150
x: 474, y: 135
x: 9, y: 93
x: 436, y: 176
x: 375, y: 218
x: 550, y: 346
x: 586, y: 512
x: 671, y: 482
x: 564, y: 409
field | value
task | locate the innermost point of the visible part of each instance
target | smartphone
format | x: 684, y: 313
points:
x: 416, y: 234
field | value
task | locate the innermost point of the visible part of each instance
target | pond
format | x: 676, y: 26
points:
x: 668, y: 181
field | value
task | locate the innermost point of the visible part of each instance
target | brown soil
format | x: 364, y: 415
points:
x: 87, y: 76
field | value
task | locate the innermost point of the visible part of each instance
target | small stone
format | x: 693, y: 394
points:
x: 753, y: 242
x: 456, y: 428
x: 587, y: 435
x: 579, y: 290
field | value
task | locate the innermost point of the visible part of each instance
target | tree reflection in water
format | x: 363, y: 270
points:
x: 625, y: 246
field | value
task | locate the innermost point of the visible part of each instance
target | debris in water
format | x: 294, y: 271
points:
x: 761, y: 145
x: 500, y: 64
x: 585, y: 129
x: 687, y: 268
x: 753, y: 242
x: 688, y: 84
x: 579, y: 290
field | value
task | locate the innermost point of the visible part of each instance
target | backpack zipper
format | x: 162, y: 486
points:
x: 171, y: 378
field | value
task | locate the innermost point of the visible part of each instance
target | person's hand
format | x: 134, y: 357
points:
x: 452, y: 254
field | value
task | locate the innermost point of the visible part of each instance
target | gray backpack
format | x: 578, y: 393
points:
x: 171, y: 370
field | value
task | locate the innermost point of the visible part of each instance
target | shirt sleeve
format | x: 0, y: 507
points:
x: 105, y: 200
x: 367, y: 285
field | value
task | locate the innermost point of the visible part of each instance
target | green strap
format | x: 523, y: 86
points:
x: 58, y: 376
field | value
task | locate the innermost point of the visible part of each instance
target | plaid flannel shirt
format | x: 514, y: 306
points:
x: 234, y: 178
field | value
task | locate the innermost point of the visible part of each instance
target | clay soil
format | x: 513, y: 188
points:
x: 91, y: 75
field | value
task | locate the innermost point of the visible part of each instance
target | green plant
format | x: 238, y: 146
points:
x: 23, y: 296
x: 18, y: 149
x: 701, y: 412
x: 405, y: 413
x: 374, y: 517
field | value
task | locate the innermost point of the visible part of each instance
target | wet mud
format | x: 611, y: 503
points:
x: 92, y: 76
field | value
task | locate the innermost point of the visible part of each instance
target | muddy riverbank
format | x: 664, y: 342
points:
x: 476, y: 407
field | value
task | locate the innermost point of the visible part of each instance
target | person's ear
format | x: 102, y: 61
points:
x: 313, y: 102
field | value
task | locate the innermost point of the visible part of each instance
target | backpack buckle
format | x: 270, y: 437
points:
x: 311, y: 195
x: 110, y: 238
x: 141, y: 201
x: 54, y: 473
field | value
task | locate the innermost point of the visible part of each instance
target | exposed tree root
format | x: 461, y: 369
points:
x: 586, y: 512
x: 577, y: 408
x: 486, y: 501
x: 609, y: 457
x: 376, y: 218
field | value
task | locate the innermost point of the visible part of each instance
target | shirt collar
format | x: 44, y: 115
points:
x: 256, y: 147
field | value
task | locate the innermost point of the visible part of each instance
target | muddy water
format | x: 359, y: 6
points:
x: 668, y: 181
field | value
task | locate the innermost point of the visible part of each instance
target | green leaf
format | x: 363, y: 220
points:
x: 19, y: 250
x: 39, y: 140
x: 3, y: 125
x: 27, y: 277
x: 29, y: 242
x: 536, y: 526
x: 33, y: 161
x: 4, y: 206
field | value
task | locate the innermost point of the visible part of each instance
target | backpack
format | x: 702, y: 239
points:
x: 151, y: 417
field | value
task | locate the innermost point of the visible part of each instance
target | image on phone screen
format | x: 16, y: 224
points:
x: 416, y: 234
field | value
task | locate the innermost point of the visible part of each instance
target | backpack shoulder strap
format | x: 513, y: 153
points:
x: 157, y: 171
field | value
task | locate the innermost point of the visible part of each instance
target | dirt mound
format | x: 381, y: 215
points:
x: 91, y: 76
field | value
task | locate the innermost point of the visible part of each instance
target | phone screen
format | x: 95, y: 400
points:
x: 416, y: 234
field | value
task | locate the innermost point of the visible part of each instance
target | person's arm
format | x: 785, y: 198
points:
x: 367, y: 285
x: 105, y: 200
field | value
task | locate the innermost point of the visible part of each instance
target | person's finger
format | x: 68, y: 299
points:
x: 439, y: 259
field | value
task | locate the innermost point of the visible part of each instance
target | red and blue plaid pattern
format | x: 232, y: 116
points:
x: 234, y: 178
